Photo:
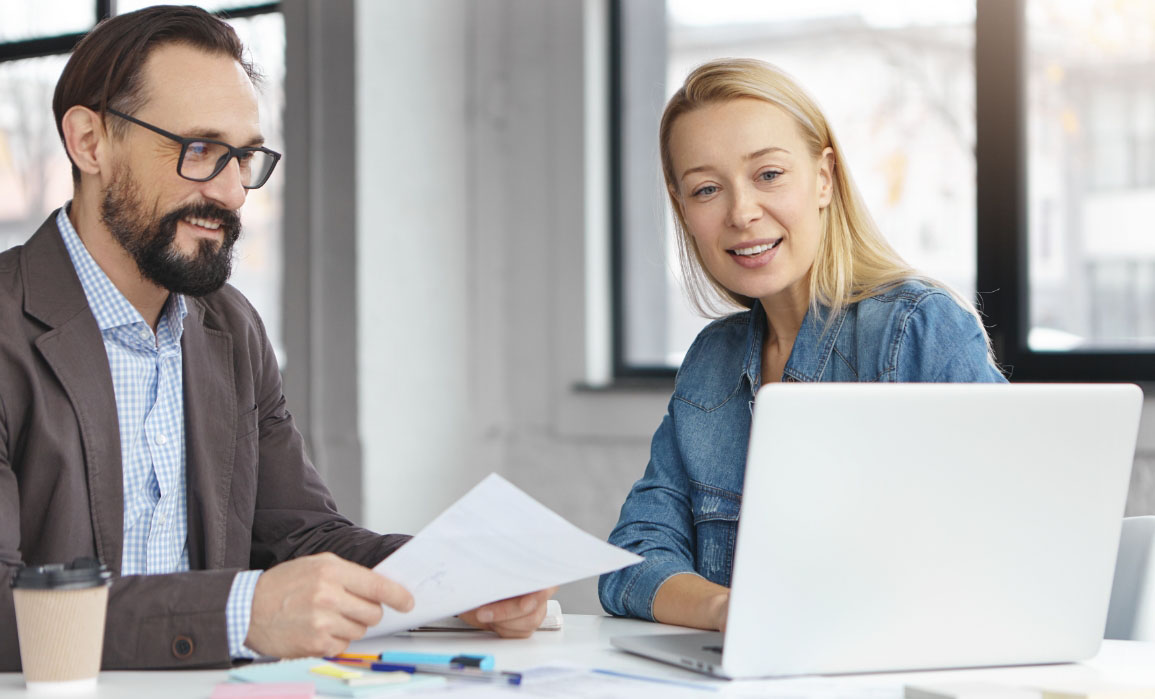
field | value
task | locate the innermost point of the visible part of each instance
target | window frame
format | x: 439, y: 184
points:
x: 1002, y: 274
x: 41, y: 46
x: 1001, y: 198
x: 319, y: 306
x: 624, y: 373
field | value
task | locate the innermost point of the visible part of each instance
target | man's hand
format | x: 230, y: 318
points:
x: 317, y: 605
x: 516, y: 617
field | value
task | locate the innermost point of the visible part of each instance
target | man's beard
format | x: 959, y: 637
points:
x: 151, y: 242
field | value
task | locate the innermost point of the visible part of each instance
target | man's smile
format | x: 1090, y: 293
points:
x: 210, y: 224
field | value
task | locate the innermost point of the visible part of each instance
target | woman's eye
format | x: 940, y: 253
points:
x: 768, y: 175
x: 705, y: 191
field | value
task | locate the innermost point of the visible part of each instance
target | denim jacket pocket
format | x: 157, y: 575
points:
x: 715, y: 528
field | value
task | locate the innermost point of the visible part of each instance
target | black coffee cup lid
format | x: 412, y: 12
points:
x: 79, y: 574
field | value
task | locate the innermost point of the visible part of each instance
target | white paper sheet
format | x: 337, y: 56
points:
x: 565, y: 681
x: 493, y: 543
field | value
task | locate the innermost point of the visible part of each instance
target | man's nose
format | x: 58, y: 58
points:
x: 227, y: 188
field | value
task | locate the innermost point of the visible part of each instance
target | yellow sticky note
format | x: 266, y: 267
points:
x: 377, y: 678
x: 340, y: 673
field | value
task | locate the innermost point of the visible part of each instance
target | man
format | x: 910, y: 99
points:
x: 141, y: 413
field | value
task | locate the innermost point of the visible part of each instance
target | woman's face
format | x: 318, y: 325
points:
x: 751, y: 195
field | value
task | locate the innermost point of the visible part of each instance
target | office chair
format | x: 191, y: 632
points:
x: 1131, y: 616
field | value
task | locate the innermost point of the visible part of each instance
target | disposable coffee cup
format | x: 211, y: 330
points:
x: 60, y: 610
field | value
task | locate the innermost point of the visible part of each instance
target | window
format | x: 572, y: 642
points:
x: 907, y: 128
x: 1091, y: 173
x: 1004, y: 147
x: 46, y: 18
x: 1063, y: 160
x: 34, y: 171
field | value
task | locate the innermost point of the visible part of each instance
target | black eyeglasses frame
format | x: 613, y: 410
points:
x: 233, y: 151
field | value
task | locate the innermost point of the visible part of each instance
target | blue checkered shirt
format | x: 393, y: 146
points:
x: 147, y: 380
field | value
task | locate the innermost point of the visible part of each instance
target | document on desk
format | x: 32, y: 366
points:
x: 493, y: 543
x: 564, y: 681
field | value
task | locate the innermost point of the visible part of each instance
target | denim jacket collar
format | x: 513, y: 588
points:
x: 811, y: 351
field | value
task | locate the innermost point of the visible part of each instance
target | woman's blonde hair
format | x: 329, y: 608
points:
x: 854, y: 261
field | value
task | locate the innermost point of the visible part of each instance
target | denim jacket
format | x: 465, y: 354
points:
x: 682, y: 516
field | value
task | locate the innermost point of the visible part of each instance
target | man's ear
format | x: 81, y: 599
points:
x: 85, y: 139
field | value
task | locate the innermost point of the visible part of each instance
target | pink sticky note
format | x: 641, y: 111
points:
x: 266, y: 690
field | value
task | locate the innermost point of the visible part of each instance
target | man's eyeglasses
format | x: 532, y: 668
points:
x: 202, y: 159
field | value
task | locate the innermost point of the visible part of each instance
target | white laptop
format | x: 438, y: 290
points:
x: 890, y: 527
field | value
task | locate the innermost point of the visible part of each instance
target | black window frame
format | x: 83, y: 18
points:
x: 1002, y: 265
x: 38, y: 47
x: 321, y: 381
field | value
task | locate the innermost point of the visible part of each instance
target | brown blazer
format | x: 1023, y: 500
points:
x: 254, y: 498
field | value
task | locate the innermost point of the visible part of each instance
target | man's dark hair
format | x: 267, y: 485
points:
x: 105, y: 68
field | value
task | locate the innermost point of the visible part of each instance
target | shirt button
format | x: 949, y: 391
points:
x: 145, y: 334
x: 161, y: 439
x: 182, y: 647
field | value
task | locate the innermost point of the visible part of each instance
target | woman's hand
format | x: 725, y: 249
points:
x: 717, y: 609
x: 691, y: 600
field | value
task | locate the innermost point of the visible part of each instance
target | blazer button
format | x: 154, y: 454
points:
x: 182, y: 647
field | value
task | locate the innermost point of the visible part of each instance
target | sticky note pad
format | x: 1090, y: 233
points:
x: 375, y: 678
x: 330, y: 670
x: 304, y: 670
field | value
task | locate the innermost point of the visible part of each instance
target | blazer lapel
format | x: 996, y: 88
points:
x: 210, y: 416
x: 74, y: 349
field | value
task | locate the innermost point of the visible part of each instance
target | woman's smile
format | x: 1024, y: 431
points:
x: 756, y: 253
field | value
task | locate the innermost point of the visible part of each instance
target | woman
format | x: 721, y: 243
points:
x: 769, y: 219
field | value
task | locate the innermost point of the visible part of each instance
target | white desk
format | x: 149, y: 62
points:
x: 585, y: 640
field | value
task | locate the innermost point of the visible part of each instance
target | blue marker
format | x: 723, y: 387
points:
x: 467, y: 660
x: 439, y: 668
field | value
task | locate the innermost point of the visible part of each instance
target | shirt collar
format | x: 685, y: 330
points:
x: 811, y: 351
x: 110, y: 308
